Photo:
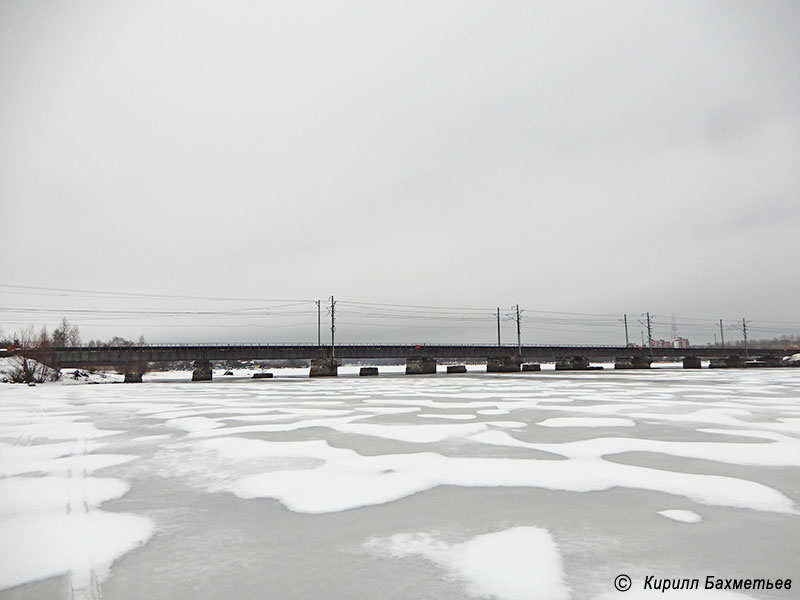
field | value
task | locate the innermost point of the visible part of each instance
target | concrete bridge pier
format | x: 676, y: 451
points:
x: 576, y: 363
x: 763, y: 362
x: 506, y: 364
x: 623, y: 362
x: 771, y: 361
x: 731, y: 362
x: 420, y: 366
x: 202, y: 371
x: 691, y: 362
x: 134, y: 372
x: 133, y: 377
x: 631, y: 362
x: 324, y: 367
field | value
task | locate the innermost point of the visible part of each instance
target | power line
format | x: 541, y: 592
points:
x: 144, y: 295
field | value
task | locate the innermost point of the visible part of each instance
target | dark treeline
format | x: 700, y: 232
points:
x: 791, y: 342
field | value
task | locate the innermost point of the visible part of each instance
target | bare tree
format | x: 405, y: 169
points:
x: 28, y: 370
x: 66, y: 334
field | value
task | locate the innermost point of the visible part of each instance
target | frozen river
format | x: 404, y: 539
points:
x: 510, y: 486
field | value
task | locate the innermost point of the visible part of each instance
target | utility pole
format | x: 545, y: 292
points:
x: 319, y: 323
x: 744, y: 331
x: 498, y: 326
x: 721, y: 333
x: 625, y: 319
x: 519, y: 334
x: 332, y: 310
x: 649, y: 335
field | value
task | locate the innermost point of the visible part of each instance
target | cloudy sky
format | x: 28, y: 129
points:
x: 599, y: 158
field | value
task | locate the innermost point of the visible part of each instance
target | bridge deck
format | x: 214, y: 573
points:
x: 108, y: 356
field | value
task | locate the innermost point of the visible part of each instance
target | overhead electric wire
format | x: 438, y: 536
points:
x: 153, y: 296
x: 354, y: 313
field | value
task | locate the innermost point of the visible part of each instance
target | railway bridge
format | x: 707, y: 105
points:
x: 420, y: 358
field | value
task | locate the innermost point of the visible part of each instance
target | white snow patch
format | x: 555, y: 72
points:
x: 388, y: 410
x: 37, y: 546
x: 353, y: 481
x: 586, y: 422
x: 685, y: 516
x: 452, y: 417
x: 26, y: 494
x: 152, y: 438
x: 521, y: 563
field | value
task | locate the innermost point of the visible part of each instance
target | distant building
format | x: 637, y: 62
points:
x: 680, y: 343
x: 676, y: 343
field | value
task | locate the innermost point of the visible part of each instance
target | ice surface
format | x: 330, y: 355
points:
x: 55, y: 428
x: 194, y: 423
x: 521, y: 563
x: 419, y: 434
x: 80, y: 463
x: 638, y: 593
x: 238, y: 448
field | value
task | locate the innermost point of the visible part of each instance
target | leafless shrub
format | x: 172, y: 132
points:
x: 28, y: 370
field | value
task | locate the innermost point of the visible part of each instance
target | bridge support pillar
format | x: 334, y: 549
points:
x: 631, y: 362
x: 623, y: 362
x: 734, y: 362
x: 576, y: 363
x: 691, y: 362
x: 771, y: 361
x: 368, y: 372
x: 506, y: 364
x: 324, y: 367
x: 134, y: 372
x: 731, y: 362
x: 531, y: 367
x: 202, y: 370
x: 457, y: 368
x: 133, y: 377
x: 420, y: 366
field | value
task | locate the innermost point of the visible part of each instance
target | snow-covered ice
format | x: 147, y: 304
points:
x: 505, y: 486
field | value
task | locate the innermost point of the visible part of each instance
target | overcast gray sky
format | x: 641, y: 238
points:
x: 589, y: 157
